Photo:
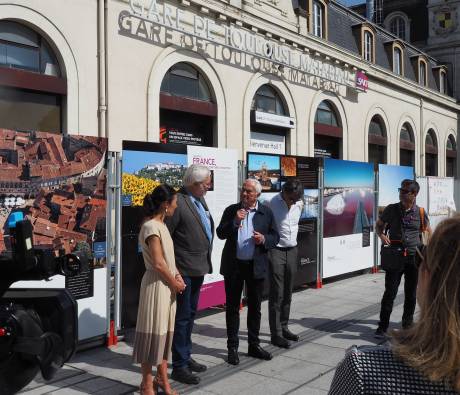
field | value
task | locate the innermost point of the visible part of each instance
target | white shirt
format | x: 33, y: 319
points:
x: 287, y: 220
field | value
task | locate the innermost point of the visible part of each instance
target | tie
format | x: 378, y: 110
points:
x: 204, y: 219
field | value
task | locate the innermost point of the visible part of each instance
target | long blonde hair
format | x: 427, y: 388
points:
x: 432, y: 345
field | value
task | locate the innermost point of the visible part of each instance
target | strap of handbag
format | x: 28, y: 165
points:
x: 422, y: 220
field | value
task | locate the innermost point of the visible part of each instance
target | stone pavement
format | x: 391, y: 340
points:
x: 329, y: 320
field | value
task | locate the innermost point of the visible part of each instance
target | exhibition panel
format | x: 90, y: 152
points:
x: 59, y: 183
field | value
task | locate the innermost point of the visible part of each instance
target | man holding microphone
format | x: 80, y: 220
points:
x: 249, y: 230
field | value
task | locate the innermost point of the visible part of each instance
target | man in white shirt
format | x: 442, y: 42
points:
x: 287, y: 208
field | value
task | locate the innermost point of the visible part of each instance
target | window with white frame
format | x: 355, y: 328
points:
x: 368, y: 46
x: 443, y: 82
x: 318, y: 19
x: 397, y: 60
x: 398, y: 27
x: 422, y: 73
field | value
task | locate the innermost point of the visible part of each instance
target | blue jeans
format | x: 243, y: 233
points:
x: 187, y: 303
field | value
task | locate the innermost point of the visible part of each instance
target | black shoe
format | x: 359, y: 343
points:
x: 184, y: 375
x: 380, y: 333
x: 287, y: 334
x: 280, y: 342
x: 256, y: 351
x: 196, y: 367
x: 233, y: 358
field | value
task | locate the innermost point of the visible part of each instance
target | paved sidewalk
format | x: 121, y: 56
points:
x: 329, y: 320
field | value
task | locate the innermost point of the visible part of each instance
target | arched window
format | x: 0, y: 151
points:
x: 397, y: 61
x: 328, y: 131
x: 187, y: 107
x: 267, y: 99
x: 368, y: 46
x: 377, y: 149
x: 319, y: 20
x: 398, y: 27
x: 451, y: 157
x: 431, y: 154
x: 406, y: 146
x: 184, y: 80
x: 270, y: 122
x: 31, y: 101
x: 325, y: 114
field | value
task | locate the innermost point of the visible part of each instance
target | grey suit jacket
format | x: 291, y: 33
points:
x: 192, y: 247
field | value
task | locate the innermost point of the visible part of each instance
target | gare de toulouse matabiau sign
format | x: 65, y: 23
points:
x: 229, y: 36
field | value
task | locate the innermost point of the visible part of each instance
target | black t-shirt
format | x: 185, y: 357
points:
x: 394, y: 215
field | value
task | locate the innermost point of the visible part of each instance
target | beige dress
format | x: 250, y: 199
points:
x: 157, y: 304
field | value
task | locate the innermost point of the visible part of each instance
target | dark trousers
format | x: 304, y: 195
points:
x: 282, y: 270
x: 187, y: 303
x: 392, y: 281
x: 233, y: 289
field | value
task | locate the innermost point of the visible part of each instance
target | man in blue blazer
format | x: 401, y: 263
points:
x: 250, y: 231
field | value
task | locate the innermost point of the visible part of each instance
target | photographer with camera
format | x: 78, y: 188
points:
x: 38, y: 327
x: 400, y: 229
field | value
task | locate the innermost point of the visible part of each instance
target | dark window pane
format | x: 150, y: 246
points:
x: 24, y: 110
x: 204, y: 93
x: 280, y: 107
x: 165, y: 84
x: 429, y: 140
x: 23, y: 57
x: 406, y: 157
x: 451, y: 167
x: 49, y: 64
x: 329, y: 147
x: 184, y: 70
x: 2, y: 54
x: 431, y: 165
x: 16, y: 33
x: 183, y: 86
x: 265, y: 104
x: 406, y: 133
x: 266, y: 90
x: 376, y: 127
x: 377, y: 154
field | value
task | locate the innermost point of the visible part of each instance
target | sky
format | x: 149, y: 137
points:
x: 390, y: 178
x: 339, y: 173
x: 136, y: 160
x: 255, y: 162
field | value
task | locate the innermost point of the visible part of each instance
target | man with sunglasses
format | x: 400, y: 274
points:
x: 287, y: 208
x: 401, y: 224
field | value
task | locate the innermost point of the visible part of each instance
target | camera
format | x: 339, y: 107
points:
x: 38, y: 327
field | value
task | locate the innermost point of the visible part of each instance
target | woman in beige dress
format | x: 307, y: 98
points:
x: 160, y: 284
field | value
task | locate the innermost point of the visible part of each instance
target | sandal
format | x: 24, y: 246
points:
x: 157, y: 383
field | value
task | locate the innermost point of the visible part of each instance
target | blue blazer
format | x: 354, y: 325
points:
x: 262, y: 222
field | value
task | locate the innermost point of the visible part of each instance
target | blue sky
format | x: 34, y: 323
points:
x: 340, y: 173
x: 255, y: 162
x: 136, y: 160
x: 390, y: 178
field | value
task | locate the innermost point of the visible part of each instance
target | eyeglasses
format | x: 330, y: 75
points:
x: 404, y: 191
x: 247, y: 190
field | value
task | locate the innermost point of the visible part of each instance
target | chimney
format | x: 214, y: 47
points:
x: 370, y: 10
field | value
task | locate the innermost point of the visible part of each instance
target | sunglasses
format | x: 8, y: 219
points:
x: 404, y: 191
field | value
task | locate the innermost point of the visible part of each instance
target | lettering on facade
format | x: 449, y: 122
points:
x: 164, y: 24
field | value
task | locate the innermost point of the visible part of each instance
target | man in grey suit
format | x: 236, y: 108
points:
x: 192, y: 231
